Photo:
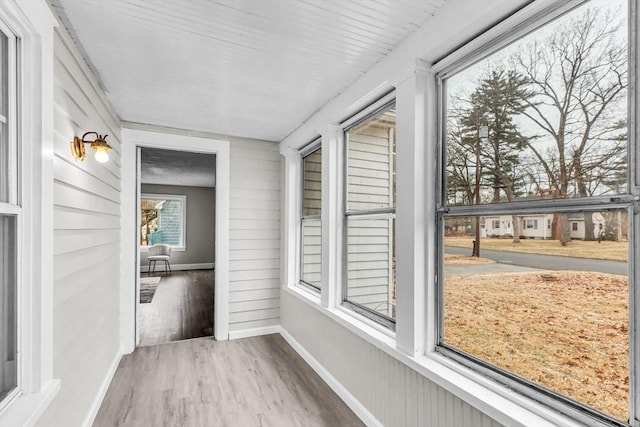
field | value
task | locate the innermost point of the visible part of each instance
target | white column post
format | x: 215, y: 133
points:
x: 290, y: 216
x: 413, y: 181
x: 331, y: 216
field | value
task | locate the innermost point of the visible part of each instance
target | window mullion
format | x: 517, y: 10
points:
x: 332, y: 226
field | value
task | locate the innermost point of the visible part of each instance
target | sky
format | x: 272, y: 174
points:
x: 462, y: 84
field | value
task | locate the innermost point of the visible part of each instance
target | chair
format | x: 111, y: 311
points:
x: 157, y: 253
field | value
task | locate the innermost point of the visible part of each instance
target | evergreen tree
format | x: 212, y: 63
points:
x: 489, y: 132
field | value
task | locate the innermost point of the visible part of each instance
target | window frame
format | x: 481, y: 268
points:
x: 12, y: 207
x: 304, y: 152
x: 386, y: 102
x: 458, y: 61
x: 32, y: 23
x: 182, y: 198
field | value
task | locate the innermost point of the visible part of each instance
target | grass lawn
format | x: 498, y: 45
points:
x: 450, y: 259
x: 612, y: 251
x: 568, y: 332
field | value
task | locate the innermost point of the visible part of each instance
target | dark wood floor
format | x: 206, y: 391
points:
x: 182, y: 308
x: 258, y: 381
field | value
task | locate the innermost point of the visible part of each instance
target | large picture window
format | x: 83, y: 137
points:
x: 535, y: 135
x: 163, y: 220
x: 370, y: 202
x: 310, y: 220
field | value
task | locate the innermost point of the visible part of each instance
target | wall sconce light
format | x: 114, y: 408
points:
x: 99, y: 145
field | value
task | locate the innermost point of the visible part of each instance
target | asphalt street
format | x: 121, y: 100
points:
x: 546, y: 262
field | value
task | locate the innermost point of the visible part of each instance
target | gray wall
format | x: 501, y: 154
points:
x: 392, y: 392
x: 200, y: 236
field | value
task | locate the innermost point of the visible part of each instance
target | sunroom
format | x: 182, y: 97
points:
x: 419, y: 213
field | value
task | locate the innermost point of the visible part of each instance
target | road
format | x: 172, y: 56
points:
x: 546, y: 262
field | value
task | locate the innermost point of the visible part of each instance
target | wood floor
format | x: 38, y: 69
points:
x: 182, y: 308
x: 258, y: 381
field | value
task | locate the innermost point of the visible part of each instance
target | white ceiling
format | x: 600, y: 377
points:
x: 168, y: 167
x: 252, y: 68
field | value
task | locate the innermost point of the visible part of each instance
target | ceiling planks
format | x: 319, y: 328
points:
x: 246, y: 68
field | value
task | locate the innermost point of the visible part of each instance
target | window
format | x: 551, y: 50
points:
x: 26, y: 201
x: 310, y: 220
x: 163, y: 220
x: 10, y: 217
x: 537, y: 130
x: 496, y: 224
x: 369, y: 271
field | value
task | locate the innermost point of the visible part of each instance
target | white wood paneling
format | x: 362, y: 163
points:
x: 371, y: 151
x: 86, y: 243
x: 390, y: 391
x: 254, y: 235
x: 219, y: 62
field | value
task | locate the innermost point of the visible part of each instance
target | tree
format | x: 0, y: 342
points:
x: 484, y: 143
x: 501, y: 96
x: 579, y: 75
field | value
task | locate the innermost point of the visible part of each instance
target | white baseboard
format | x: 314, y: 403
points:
x: 180, y: 267
x: 102, y: 392
x: 255, y: 332
x: 356, y: 406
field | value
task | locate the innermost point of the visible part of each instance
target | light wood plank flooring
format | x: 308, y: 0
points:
x: 259, y: 381
x: 182, y: 308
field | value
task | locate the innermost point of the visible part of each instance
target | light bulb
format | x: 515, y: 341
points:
x: 102, y: 156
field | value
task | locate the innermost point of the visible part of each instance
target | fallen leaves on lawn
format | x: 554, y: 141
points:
x: 569, y: 334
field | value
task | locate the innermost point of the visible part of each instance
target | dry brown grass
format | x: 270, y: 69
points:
x: 612, y: 251
x: 450, y: 259
x: 568, y: 332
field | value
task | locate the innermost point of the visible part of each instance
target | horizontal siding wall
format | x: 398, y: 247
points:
x: 86, y: 242
x: 254, y: 235
x: 370, y: 241
x: 393, y: 393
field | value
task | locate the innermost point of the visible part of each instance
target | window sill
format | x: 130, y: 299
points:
x: 495, y: 400
x: 26, y: 409
x: 359, y: 325
x: 306, y: 292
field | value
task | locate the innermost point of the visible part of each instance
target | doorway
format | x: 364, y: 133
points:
x: 133, y: 140
x: 176, y: 216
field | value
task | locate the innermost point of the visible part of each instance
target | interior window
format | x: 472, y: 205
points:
x: 162, y: 220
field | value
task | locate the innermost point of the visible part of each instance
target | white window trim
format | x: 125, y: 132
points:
x: 310, y: 148
x: 33, y: 23
x: 182, y: 246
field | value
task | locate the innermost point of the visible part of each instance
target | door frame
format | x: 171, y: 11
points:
x: 132, y: 141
